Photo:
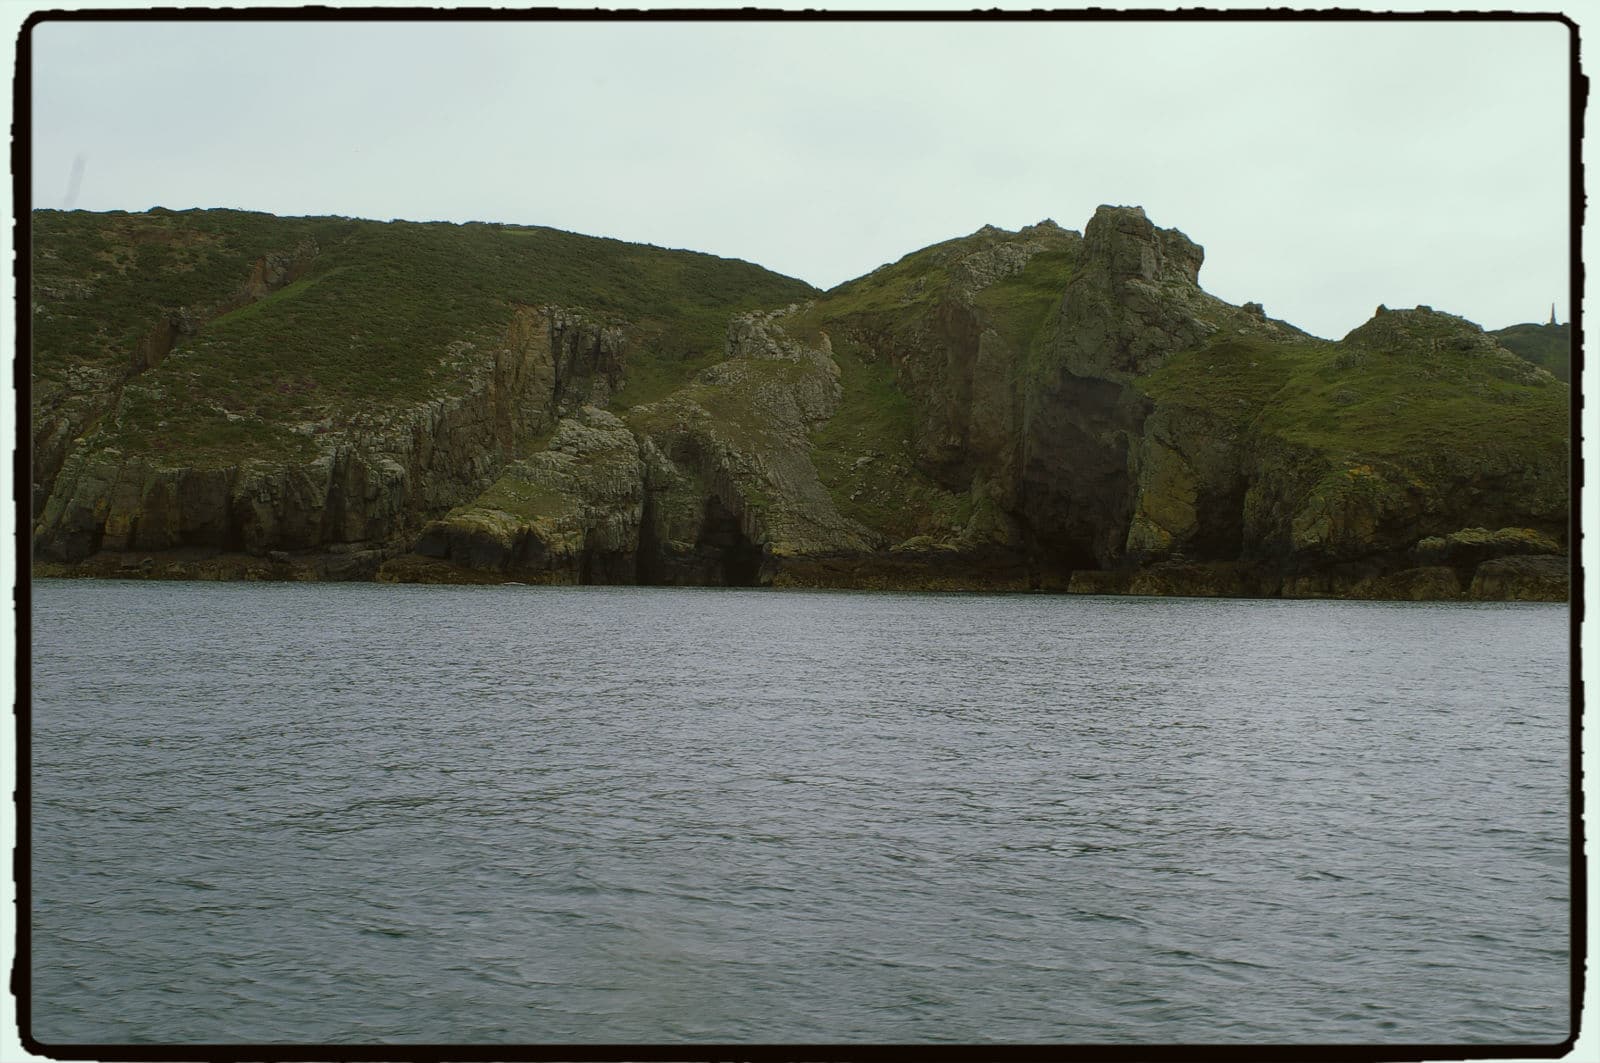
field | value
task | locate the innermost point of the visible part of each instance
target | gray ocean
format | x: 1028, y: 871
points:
x: 355, y: 813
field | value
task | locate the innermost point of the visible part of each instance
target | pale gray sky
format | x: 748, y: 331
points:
x: 1325, y: 167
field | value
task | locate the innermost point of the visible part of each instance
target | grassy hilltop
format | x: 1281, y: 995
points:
x: 376, y: 311
x: 1546, y: 346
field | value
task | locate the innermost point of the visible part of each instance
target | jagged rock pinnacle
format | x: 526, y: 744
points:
x: 1124, y: 242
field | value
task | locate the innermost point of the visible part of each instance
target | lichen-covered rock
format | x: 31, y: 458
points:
x: 1210, y: 579
x: 1349, y: 512
x: 1190, y: 479
x: 1006, y: 255
x: 587, y: 356
x: 568, y: 514
x: 712, y: 485
x: 1136, y: 300
x: 1423, y: 584
x: 1522, y: 579
x: 1371, y: 580
x: 730, y: 453
x: 1469, y: 547
x: 1133, y: 303
x: 1166, y: 513
x: 374, y: 479
x: 1424, y: 330
x: 962, y: 378
x: 760, y: 334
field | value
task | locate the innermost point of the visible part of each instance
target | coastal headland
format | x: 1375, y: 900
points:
x: 229, y: 395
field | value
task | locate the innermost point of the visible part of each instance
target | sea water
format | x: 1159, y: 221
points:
x: 354, y: 813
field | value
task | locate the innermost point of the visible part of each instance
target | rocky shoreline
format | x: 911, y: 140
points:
x: 1511, y: 577
x: 1038, y: 411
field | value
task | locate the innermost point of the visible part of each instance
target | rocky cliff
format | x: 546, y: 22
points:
x: 1164, y: 441
x: 347, y: 485
x: 1034, y: 410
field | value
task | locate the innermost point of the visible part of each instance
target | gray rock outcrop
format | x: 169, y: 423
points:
x: 370, y: 478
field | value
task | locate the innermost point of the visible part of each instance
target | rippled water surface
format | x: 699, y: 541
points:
x: 359, y: 813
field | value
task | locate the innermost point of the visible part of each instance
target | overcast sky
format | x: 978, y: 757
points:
x: 1325, y: 167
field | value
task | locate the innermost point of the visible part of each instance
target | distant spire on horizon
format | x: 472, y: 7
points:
x: 1552, y: 313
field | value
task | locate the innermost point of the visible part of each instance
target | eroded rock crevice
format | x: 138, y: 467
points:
x: 733, y: 558
x: 1078, y: 485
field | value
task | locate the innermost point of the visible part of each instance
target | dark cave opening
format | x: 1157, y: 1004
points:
x: 722, y: 555
x: 722, y: 542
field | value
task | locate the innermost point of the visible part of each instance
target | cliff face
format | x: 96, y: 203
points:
x: 1040, y: 409
x: 69, y: 402
x: 1100, y: 477
x: 713, y: 485
x: 221, y: 394
x: 352, y: 487
x: 1156, y: 439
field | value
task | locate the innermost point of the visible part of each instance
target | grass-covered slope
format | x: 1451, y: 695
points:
x: 381, y: 313
x: 100, y: 281
x: 233, y: 381
x: 1546, y: 346
x: 1396, y: 399
x: 1416, y: 425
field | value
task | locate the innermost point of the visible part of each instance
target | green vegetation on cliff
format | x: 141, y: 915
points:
x: 896, y: 292
x: 1041, y: 408
x: 101, y: 281
x: 1021, y: 306
x: 1546, y: 346
x: 980, y: 306
x: 864, y: 455
x: 1408, y: 404
x: 376, y: 313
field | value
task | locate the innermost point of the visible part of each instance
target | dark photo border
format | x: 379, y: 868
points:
x: 21, y: 983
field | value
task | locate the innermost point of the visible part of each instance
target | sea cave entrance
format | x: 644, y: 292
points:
x: 721, y: 556
x: 730, y: 558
